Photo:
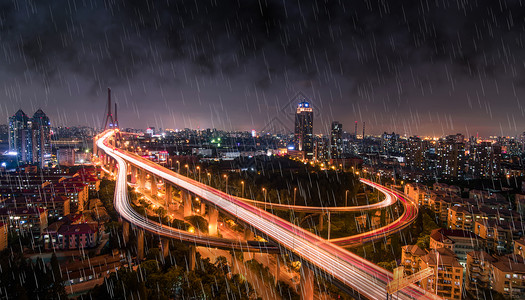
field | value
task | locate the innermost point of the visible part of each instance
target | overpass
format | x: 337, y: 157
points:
x: 348, y: 269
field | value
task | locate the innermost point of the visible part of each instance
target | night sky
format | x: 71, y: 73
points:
x: 424, y: 67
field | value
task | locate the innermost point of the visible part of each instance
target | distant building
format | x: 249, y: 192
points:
x: 20, y: 138
x: 449, y: 189
x: 57, y: 206
x: 66, y: 157
x: 336, y: 140
x: 30, y: 138
x: 304, y: 130
x: 321, y: 149
x: 485, y: 160
x: 416, y: 153
x: 452, y: 161
x: 41, y: 138
x: 25, y: 219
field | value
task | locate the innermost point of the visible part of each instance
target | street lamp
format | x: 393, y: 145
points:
x: 242, y: 190
x: 171, y: 163
x: 178, y: 166
x: 264, y: 192
x: 187, y: 170
x: 346, y: 198
x: 226, y: 177
x: 199, y: 170
x: 294, y: 195
x: 209, y: 178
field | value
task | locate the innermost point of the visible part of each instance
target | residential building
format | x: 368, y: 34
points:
x: 336, y: 140
x: 68, y: 236
x: 460, y: 217
x: 450, y: 189
x: 478, y: 271
x: 448, y: 272
x: 460, y: 242
x: 451, y: 157
x: 25, y: 219
x: 410, y: 257
x: 447, y: 281
x: 504, y: 274
x: 57, y: 206
x: 498, y: 234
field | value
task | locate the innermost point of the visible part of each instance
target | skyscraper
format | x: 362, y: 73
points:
x: 336, y: 140
x: 41, y: 137
x: 20, y: 139
x: 304, y: 129
x: 30, y: 138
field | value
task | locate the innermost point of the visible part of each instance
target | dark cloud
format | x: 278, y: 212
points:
x: 366, y: 60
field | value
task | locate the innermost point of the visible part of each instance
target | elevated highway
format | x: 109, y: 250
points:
x: 348, y: 269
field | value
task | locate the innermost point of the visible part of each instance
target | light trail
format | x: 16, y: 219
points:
x: 353, y: 271
x: 389, y: 200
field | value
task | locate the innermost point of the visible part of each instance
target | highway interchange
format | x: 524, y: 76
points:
x: 349, y: 269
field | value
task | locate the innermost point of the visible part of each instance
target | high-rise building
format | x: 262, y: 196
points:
x: 321, y: 149
x: 336, y: 140
x: 20, y: 138
x: 41, y: 137
x: 451, y: 156
x: 484, y: 159
x: 30, y: 138
x: 416, y: 153
x: 304, y: 130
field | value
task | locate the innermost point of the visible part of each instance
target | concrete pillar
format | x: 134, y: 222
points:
x: 154, y: 189
x: 142, y: 179
x: 133, y: 178
x: 213, y: 216
x: 248, y: 234
x: 192, y: 257
x: 140, y: 244
x: 125, y: 231
x: 168, y: 193
x: 165, y: 244
x: 186, y: 202
x: 203, y: 208
x: 321, y: 222
x: 277, y: 268
x: 306, y: 284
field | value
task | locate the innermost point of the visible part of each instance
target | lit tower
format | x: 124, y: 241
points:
x: 304, y: 129
x: 336, y: 140
x: 20, y: 136
x: 110, y: 122
x: 41, y: 137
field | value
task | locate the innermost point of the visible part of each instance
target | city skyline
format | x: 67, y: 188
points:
x: 410, y: 69
x: 264, y: 149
